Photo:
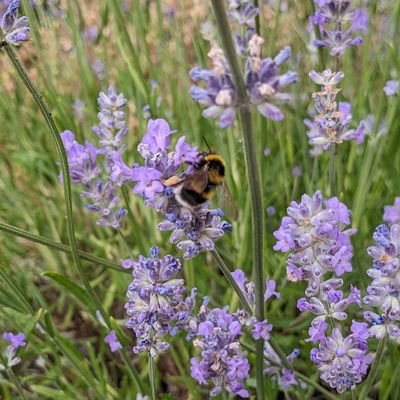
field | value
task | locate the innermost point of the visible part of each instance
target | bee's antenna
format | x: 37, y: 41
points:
x: 205, y: 141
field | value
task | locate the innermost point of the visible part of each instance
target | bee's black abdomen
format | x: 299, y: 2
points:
x: 192, y: 198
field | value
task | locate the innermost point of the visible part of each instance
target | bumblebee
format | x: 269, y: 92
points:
x: 198, y: 186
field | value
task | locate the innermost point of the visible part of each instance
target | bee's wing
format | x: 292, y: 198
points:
x: 227, y: 202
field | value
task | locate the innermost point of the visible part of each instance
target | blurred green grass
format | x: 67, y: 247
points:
x: 140, y: 42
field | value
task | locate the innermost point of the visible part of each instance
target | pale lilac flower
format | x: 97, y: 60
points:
x: 315, y: 232
x: 267, y: 152
x: 112, y: 127
x: 331, y: 124
x: 155, y: 301
x: 222, y: 362
x: 15, y: 30
x: 384, y: 290
x: 91, y: 33
x: 392, y: 87
x: 343, y: 362
x: 391, y: 214
x: 243, y: 12
x: 112, y: 340
x: 79, y: 109
x: 16, y: 341
x: 296, y: 171
x: 337, y: 23
x: 263, y: 82
x: 82, y: 159
x: 192, y: 230
x: 271, y: 210
x: 285, y: 377
x: 98, y: 69
x: 265, y: 85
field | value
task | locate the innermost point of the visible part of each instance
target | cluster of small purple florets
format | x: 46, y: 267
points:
x: 263, y: 83
x: 16, y: 341
x: 192, y: 230
x: 315, y: 232
x: 217, y: 332
x: 156, y: 305
x: 331, y: 124
x: 384, y: 290
x: 84, y: 160
x: 337, y: 23
x: 222, y: 360
x: 15, y: 30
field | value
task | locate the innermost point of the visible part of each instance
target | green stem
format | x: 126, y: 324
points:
x: 253, y: 175
x: 299, y: 375
x: 58, y: 246
x: 373, y: 371
x: 152, y: 377
x: 44, y: 110
x: 306, y: 379
x: 228, y: 275
x: 332, y: 169
x: 14, y: 378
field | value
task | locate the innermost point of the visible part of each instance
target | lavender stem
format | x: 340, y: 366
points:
x: 253, y: 175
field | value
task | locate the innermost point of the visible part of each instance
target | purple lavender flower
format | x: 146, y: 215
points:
x: 285, y: 377
x: 392, y: 87
x: 330, y: 125
x: 112, y: 127
x: 247, y: 287
x: 263, y: 83
x: 16, y: 341
x: 220, y: 97
x: 343, y: 362
x: 314, y: 230
x: 337, y: 24
x: 82, y: 159
x: 243, y: 12
x: 222, y: 361
x: 391, y: 214
x: 15, y: 30
x: 384, y: 290
x: 158, y: 183
x: 155, y: 301
x: 112, y: 340
x: 84, y: 169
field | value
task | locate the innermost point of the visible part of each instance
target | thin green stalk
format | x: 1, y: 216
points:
x: 44, y: 110
x: 299, y: 375
x: 228, y: 275
x: 152, y: 376
x: 14, y: 378
x: 332, y: 169
x: 253, y: 175
x: 306, y: 379
x: 58, y: 246
x: 373, y: 371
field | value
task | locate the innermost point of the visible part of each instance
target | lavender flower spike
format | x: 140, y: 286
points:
x: 222, y: 360
x: 384, y: 290
x: 315, y: 231
x: 343, y: 361
x: 155, y: 301
x: 391, y: 214
x: 16, y: 30
x: 331, y: 124
x: 112, y: 127
x: 337, y: 23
